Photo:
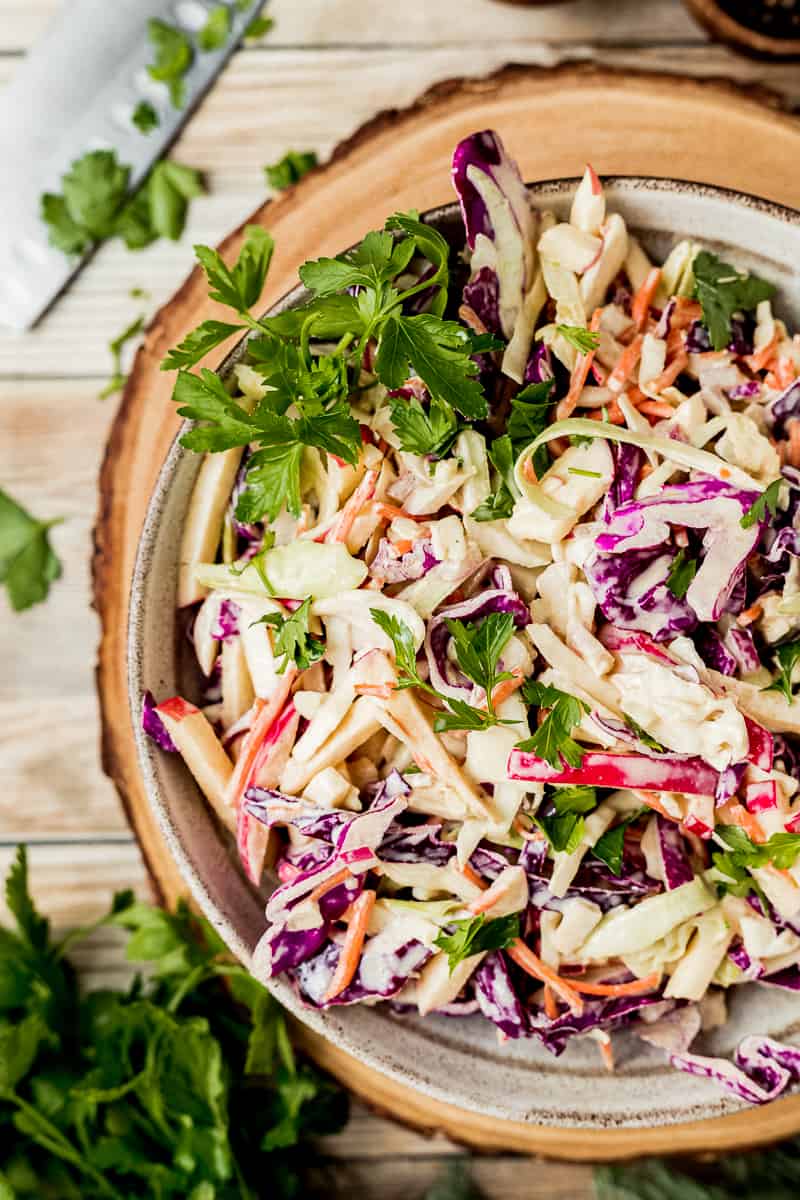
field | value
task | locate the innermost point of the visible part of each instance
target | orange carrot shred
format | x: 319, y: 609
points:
x: 670, y: 373
x: 472, y: 875
x: 352, y: 945
x: 635, y: 987
x: 759, y: 359
x: 550, y: 1006
x: 322, y: 888
x: 340, y: 530
x: 580, y: 374
x: 626, y: 365
x: 266, y: 712
x: 644, y: 297
x: 525, y: 958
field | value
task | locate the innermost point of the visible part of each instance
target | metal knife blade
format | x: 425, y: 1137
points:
x: 75, y: 92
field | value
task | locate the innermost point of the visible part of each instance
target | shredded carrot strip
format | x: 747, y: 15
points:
x: 524, y: 957
x: 670, y: 373
x: 635, y: 988
x: 550, y: 1006
x: 472, y: 875
x: 675, y: 343
x: 340, y: 530
x: 658, y: 409
x: 403, y: 547
x: 732, y: 813
x: 613, y: 414
x: 644, y: 297
x: 748, y: 615
x: 652, y: 801
x: 471, y: 318
x: 489, y: 897
x: 508, y: 687
x: 579, y: 376
x: 626, y: 365
x: 685, y: 313
x: 266, y: 712
x: 323, y: 888
x: 352, y: 945
x: 382, y: 691
x: 758, y: 360
x: 607, y: 1053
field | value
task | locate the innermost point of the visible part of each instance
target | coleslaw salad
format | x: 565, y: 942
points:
x: 500, y: 652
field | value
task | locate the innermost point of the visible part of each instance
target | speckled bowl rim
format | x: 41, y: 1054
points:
x: 332, y: 1024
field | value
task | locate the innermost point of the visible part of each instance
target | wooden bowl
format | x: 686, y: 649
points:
x: 459, y: 1062
x: 723, y: 27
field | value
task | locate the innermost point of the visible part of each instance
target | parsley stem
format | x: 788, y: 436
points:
x: 51, y: 1138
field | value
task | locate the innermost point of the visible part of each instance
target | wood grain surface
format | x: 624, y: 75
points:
x: 285, y: 91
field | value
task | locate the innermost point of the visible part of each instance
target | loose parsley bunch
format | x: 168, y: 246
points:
x: 355, y: 302
x: 183, y: 1086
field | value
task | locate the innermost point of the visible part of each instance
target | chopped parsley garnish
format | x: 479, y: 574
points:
x: 743, y: 855
x: 768, y: 500
x: 610, y: 847
x: 681, y: 573
x: 553, y: 740
x: 724, y: 291
x: 291, y: 169
x: 587, y: 474
x: 420, y: 432
x: 28, y: 563
x: 93, y: 205
x: 477, y: 648
x: 787, y: 657
x: 500, y: 503
x: 477, y: 935
x: 173, y: 57
x: 293, y: 640
x: 565, y: 829
x: 583, y: 339
x: 259, y: 27
x: 216, y: 30
x: 145, y: 117
x: 118, y: 378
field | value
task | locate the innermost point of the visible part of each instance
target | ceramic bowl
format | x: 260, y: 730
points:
x: 459, y: 1060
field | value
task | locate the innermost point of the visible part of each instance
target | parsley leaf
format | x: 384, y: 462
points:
x: 478, y: 648
x: 428, y: 242
x: 405, y: 652
x: 499, y: 504
x: 781, y: 850
x: 723, y: 291
x: 216, y: 30
x: 290, y: 169
x: 681, y: 574
x: 293, y: 640
x: 552, y: 741
x: 173, y: 57
x: 421, y: 432
x: 461, y: 715
x: 580, y: 337
x: 787, y: 657
x: 610, y: 847
x: 477, y: 935
x: 258, y: 27
x: 145, y: 117
x: 28, y: 564
x: 577, y: 799
x: 564, y: 832
x: 239, y: 286
x: 92, y: 193
x: 170, y: 186
x: 198, y: 343
x: 33, y: 928
x: 438, y: 351
x: 758, y: 509
x: 118, y: 379
x: 644, y: 737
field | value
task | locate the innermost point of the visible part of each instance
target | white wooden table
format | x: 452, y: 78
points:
x: 328, y: 66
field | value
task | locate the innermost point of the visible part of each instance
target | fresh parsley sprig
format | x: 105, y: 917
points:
x: 786, y: 657
x: 500, y: 503
x: 216, y: 30
x: 724, y: 291
x: 553, y: 739
x: 565, y: 828
x: 420, y: 432
x: 477, y: 648
x: 477, y: 935
x: 292, y: 638
x: 767, y: 501
x: 28, y: 563
x: 743, y: 855
x: 173, y: 56
x: 609, y: 848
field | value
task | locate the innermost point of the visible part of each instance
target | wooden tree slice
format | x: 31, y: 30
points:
x: 552, y: 121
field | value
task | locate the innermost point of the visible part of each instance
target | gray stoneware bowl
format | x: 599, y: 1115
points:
x: 459, y: 1060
